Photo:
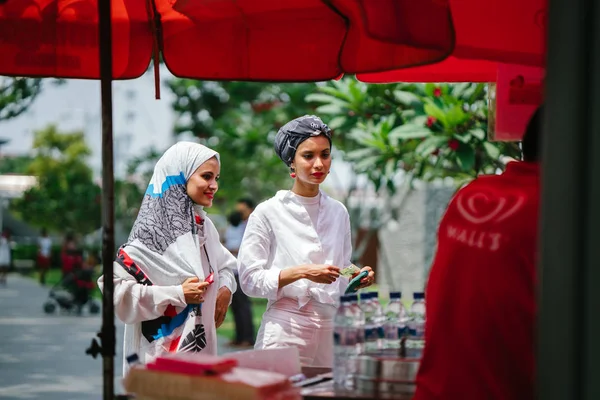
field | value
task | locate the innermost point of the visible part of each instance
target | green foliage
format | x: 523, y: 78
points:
x: 15, y: 165
x: 24, y: 252
x: 66, y: 198
x: 430, y: 131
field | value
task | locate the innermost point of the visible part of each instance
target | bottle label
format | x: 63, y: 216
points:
x: 373, y: 333
x: 344, y: 337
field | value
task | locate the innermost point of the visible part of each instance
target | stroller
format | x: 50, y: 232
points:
x: 73, y: 292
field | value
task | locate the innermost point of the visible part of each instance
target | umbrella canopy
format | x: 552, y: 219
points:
x: 452, y: 69
x: 487, y: 32
x: 266, y: 40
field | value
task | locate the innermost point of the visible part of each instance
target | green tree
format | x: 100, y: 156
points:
x: 240, y: 120
x: 430, y: 131
x: 15, y: 165
x: 66, y: 197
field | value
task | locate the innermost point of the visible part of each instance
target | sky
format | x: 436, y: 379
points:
x: 139, y: 120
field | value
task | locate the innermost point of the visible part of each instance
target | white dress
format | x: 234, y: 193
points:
x: 281, y: 234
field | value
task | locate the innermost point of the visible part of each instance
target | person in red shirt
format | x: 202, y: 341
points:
x: 481, y: 292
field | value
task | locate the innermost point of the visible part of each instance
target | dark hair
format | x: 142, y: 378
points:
x: 234, y: 218
x: 532, y: 139
x: 247, y: 201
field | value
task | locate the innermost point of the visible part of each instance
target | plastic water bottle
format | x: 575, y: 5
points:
x: 379, y: 319
x: 370, y: 327
x: 395, y: 321
x: 416, y: 335
x: 344, y: 344
x: 359, y: 323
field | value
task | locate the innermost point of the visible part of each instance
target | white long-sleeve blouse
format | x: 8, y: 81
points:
x: 280, y: 234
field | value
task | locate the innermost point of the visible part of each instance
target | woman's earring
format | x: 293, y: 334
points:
x: 293, y: 173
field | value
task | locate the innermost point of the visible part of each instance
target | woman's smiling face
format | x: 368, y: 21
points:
x: 203, y: 184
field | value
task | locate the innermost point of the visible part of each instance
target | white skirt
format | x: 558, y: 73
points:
x: 310, y: 329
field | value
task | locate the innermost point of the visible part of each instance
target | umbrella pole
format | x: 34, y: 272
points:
x: 108, y: 216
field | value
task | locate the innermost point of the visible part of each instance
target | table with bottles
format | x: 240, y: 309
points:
x: 326, y: 390
x: 377, y: 349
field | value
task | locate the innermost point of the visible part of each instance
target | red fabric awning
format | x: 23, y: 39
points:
x: 451, y: 69
x: 60, y: 38
x: 268, y: 40
x: 487, y: 32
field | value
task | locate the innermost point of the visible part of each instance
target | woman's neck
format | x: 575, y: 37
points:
x: 305, y: 190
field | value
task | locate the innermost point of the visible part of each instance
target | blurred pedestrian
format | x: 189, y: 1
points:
x: 5, y: 257
x: 241, y: 306
x: 44, y: 255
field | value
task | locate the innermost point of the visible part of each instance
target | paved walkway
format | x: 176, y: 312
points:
x: 43, y: 356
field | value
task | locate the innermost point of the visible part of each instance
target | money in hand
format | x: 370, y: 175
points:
x: 349, y: 270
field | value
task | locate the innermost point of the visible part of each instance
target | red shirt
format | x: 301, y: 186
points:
x: 481, y: 293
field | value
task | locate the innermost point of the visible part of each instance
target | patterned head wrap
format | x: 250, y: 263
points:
x: 297, y: 131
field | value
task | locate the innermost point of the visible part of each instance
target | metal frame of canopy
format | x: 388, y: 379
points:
x: 107, y: 334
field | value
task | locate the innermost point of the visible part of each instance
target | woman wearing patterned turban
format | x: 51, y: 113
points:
x: 294, y: 246
x: 163, y: 274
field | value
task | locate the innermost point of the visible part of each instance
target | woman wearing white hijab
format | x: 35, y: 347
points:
x: 294, y: 246
x: 162, y: 274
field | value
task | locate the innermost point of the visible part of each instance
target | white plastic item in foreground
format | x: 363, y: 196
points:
x: 283, y: 360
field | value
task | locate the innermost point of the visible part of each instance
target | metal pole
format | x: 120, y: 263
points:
x: 568, y: 360
x: 108, y: 217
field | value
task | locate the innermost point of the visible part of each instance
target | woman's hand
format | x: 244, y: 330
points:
x: 322, y: 273
x: 193, y: 290
x: 223, y: 298
x: 319, y: 273
x: 367, y: 280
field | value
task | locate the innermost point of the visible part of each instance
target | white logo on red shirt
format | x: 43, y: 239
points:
x: 480, y: 208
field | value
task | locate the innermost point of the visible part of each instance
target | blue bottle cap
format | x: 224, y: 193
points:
x: 395, y: 295
x: 365, y: 296
x: 353, y: 297
x: 419, y: 296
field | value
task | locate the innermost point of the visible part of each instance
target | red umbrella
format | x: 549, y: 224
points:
x: 487, y: 32
x: 266, y: 40
x: 452, y: 69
